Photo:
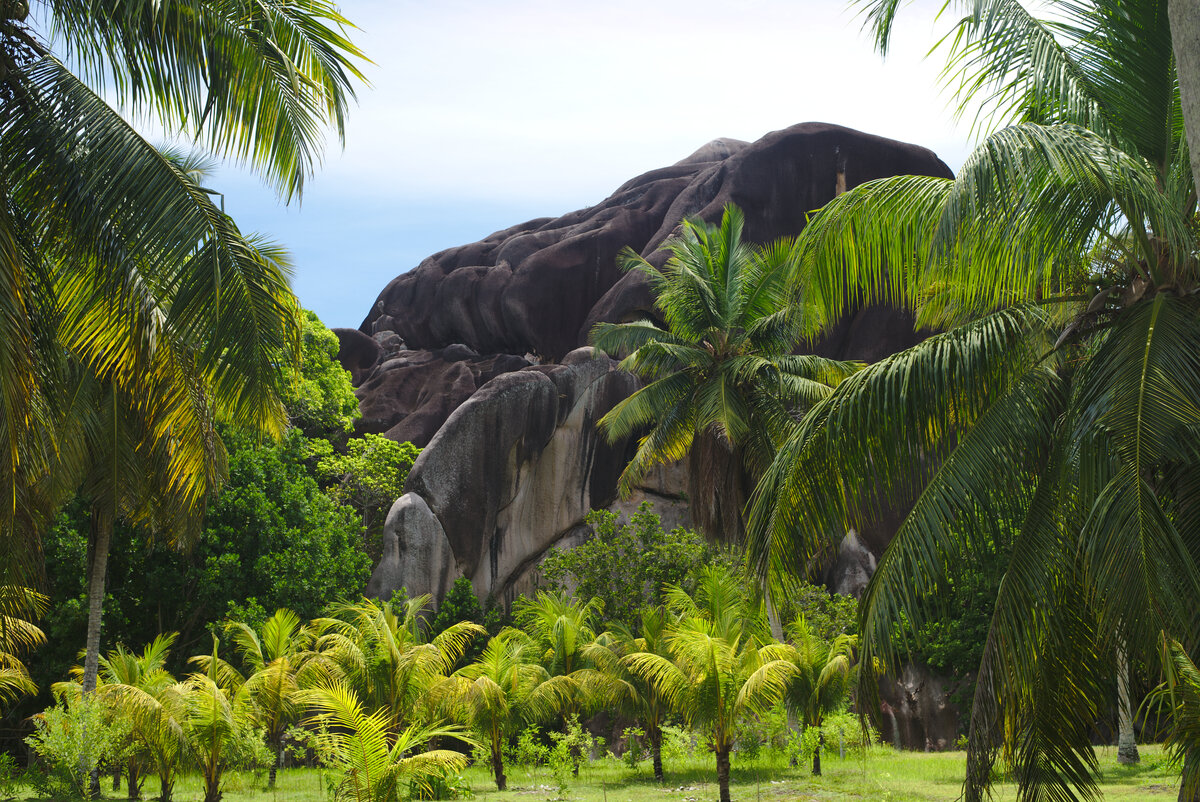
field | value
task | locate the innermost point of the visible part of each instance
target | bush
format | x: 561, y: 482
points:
x: 73, y: 740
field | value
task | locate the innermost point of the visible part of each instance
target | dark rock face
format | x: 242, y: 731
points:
x: 513, y: 470
x: 409, y: 396
x: 532, y: 292
x: 917, y: 711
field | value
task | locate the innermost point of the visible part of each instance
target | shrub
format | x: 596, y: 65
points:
x: 74, y: 740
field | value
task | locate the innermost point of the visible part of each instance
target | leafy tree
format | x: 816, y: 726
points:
x: 721, y: 380
x: 1071, y: 410
x: 821, y: 678
x: 723, y: 668
x: 320, y: 401
x: 369, y: 475
x: 625, y: 566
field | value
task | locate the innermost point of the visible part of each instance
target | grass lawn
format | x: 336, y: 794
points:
x: 883, y: 775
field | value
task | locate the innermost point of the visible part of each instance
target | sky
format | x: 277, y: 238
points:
x: 483, y: 114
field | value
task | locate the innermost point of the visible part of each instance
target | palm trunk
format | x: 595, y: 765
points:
x: 1184, y: 16
x: 817, y: 755
x: 166, y: 787
x: 656, y: 752
x: 133, y: 781
x: 276, y: 766
x: 498, y: 768
x: 1127, y: 751
x: 102, y: 526
x: 723, y: 772
x: 212, y: 786
x: 116, y: 777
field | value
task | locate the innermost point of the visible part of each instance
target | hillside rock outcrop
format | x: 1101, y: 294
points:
x: 478, y: 361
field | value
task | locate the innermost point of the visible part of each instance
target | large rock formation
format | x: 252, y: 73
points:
x: 475, y: 353
x: 478, y: 354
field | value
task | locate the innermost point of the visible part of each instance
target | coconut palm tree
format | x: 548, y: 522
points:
x: 505, y: 690
x: 823, y: 674
x: 561, y: 628
x: 281, y: 662
x: 17, y: 634
x: 1071, y: 410
x: 136, y: 687
x: 373, y: 760
x: 380, y: 651
x: 92, y: 215
x: 722, y: 382
x: 723, y: 669
x: 631, y: 692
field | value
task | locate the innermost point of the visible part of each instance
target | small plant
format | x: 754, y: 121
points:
x: 634, y: 752
x: 8, y: 776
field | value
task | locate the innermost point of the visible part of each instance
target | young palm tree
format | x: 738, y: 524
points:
x: 281, y: 662
x: 373, y: 760
x: 562, y: 627
x: 722, y: 383
x: 138, y: 688
x: 382, y: 655
x: 631, y: 692
x: 1071, y: 411
x: 723, y: 668
x: 823, y: 674
x: 504, y: 690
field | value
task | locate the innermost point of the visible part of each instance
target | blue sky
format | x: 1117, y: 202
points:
x: 484, y: 114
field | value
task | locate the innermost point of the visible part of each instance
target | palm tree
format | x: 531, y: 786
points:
x: 1071, y: 410
x: 633, y: 693
x: 372, y: 759
x: 281, y: 663
x: 722, y: 382
x: 216, y: 722
x: 504, y: 690
x: 823, y: 674
x: 562, y: 627
x: 723, y: 668
x: 114, y: 258
x: 89, y: 209
x: 381, y: 653
x: 17, y: 634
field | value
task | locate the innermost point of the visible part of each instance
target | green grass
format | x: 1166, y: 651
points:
x: 883, y: 775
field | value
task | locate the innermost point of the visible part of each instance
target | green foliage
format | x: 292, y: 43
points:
x: 827, y: 614
x: 320, y: 400
x: 272, y: 539
x: 626, y: 565
x: 71, y: 739
x: 369, y: 475
x: 373, y: 762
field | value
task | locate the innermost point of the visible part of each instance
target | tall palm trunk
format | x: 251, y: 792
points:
x: 723, y: 772
x: 1184, y: 16
x: 102, y: 528
x: 817, y: 754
